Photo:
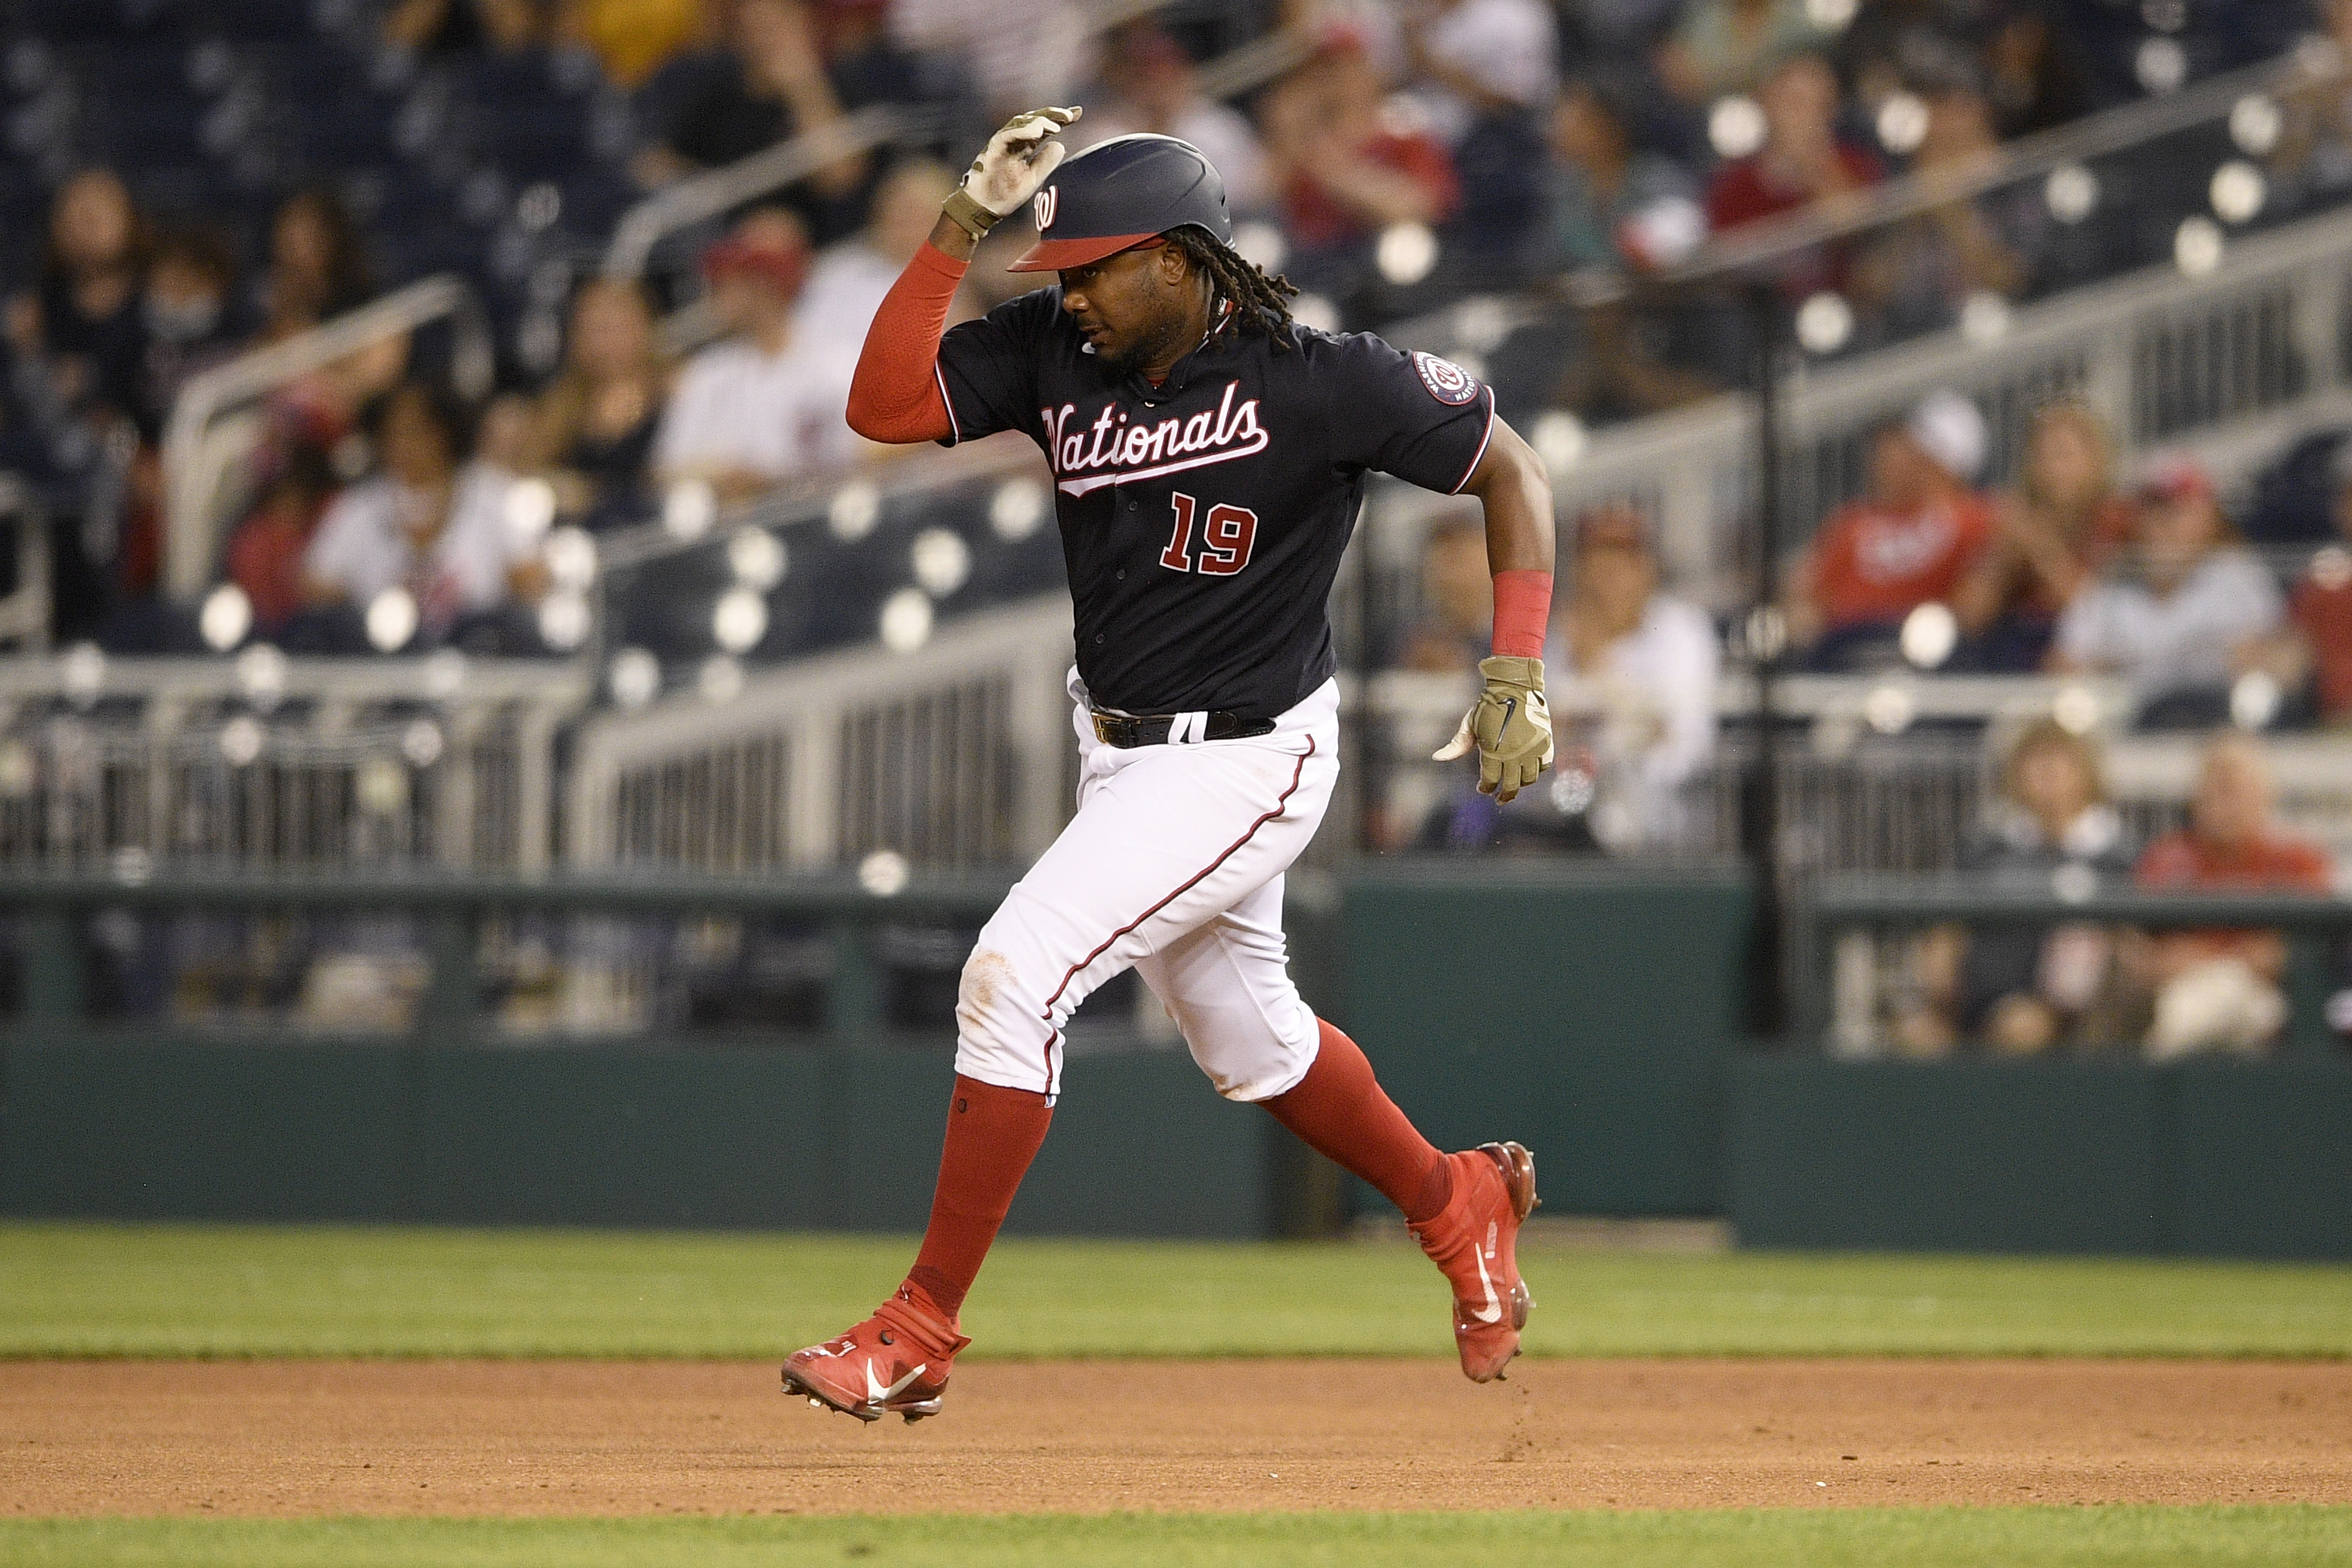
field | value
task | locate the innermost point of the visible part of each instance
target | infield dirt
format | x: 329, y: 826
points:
x: 525, y: 1438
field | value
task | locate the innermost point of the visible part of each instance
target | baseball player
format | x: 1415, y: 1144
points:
x: 1208, y: 457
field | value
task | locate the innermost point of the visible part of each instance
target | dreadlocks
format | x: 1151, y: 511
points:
x: 1257, y: 300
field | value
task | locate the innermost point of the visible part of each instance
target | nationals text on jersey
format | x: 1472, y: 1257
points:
x: 1169, y: 446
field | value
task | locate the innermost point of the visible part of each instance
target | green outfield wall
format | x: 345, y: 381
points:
x: 784, y: 1135
x: 1582, y: 1009
x: 2212, y: 1159
x: 1590, y: 1012
x: 835, y: 1127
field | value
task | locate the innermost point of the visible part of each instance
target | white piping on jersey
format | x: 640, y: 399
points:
x: 1479, y: 456
x: 1232, y: 432
x: 955, y: 425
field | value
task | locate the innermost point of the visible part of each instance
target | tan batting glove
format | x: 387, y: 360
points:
x: 1510, y: 724
x: 1017, y: 160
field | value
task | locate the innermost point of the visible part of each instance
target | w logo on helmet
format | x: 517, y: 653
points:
x: 1043, y: 206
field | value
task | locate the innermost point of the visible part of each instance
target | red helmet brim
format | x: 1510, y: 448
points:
x: 1054, y: 255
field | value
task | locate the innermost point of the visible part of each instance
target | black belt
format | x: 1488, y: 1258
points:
x: 1129, y: 730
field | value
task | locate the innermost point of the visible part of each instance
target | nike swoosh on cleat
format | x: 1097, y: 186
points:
x: 1492, y: 1313
x: 876, y: 1393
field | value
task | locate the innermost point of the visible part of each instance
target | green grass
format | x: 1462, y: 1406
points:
x: 156, y: 1290
x: 1858, y: 1538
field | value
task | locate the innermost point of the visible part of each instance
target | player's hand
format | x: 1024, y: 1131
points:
x: 1018, y: 159
x: 1510, y: 724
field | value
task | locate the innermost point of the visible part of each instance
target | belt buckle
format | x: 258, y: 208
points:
x: 1103, y: 728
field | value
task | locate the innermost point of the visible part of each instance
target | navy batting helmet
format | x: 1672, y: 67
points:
x: 1121, y: 193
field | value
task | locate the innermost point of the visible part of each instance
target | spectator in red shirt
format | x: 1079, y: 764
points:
x: 2319, y: 638
x: 265, y: 553
x: 1804, y: 161
x: 2218, y: 989
x: 1349, y: 161
x: 1910, y: 541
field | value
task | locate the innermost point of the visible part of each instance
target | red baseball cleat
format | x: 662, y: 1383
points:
x: 1475, y: 1240
x: 895, y: 1363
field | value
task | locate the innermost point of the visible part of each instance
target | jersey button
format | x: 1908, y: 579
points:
x: 1120, y: 574
x: 1098, y: 638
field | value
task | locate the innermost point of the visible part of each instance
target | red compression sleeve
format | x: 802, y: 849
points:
x: 1522, y: 611
x: 895, y: 396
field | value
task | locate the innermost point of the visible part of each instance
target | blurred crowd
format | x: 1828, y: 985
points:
x: 2069, y: 570
x: 1389, y: 156
x: 2206, y: 619
x: 2223, y: 622
x: 1395, y: 153
x: 371, y: 473
x: 2087, y: 988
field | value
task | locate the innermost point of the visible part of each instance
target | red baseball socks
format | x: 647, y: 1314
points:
x: 992, y: 1135
x: 1338, y: 1109
x: 1341, y: 1112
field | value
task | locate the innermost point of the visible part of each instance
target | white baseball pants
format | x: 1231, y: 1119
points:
x: 1173, y: 866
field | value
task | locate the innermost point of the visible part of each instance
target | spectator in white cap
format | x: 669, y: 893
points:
x: 1909, y: 541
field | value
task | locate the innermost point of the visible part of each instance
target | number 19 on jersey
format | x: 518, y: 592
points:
x: 1227, y: 534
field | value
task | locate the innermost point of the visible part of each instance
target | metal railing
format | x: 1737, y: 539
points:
x: 2166, y: 361
x: 2225, y: 367
x: 961, y: 754
x: 203, y: 447
x: 452, y: 938
x: 1884, y: 774
x: 699, y: 198
x: 2111, y: 131
x: 146, y: 764
x: 955, y: 755
x: 1254, y: 64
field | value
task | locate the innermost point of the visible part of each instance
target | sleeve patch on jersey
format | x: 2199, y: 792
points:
x: 1448, y: 382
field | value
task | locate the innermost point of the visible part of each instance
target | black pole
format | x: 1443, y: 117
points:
x: 1765, y: 636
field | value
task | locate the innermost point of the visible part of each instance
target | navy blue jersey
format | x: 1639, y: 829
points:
x: 1202, y: 520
